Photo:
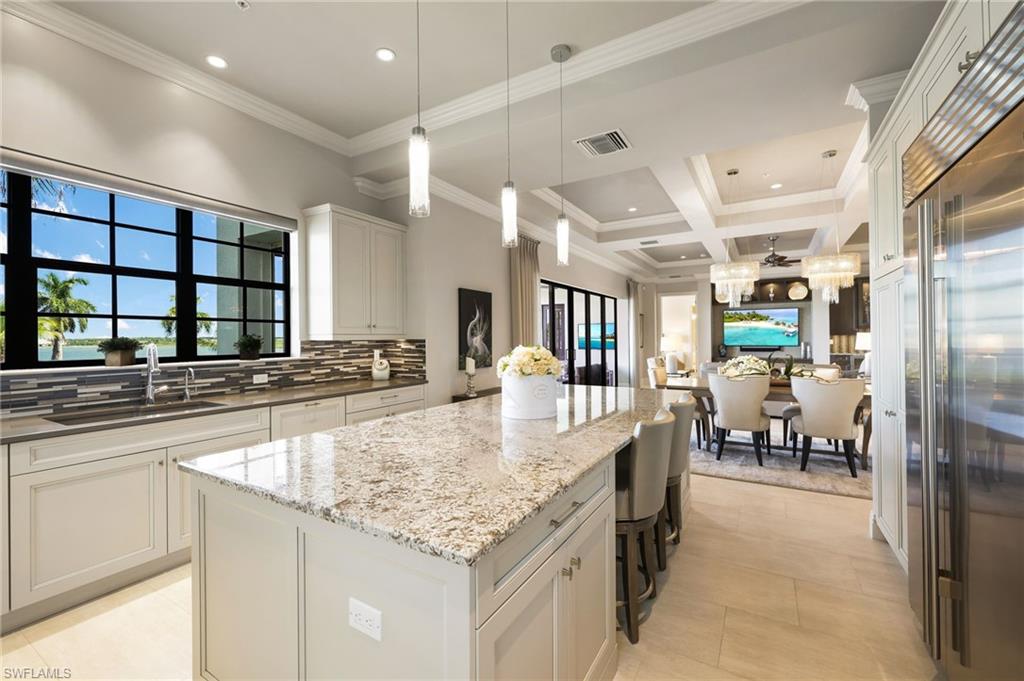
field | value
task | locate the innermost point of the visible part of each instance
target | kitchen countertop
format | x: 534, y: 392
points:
x: 23, y: 428
x: 451, y: 481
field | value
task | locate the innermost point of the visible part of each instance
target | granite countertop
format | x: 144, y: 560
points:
x: 451, y: 481
x: 23, y: 428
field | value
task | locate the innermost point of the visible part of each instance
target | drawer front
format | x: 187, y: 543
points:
x: 368, y: 415
x: 303, y: 418
x: 384, y: 398
x: 501, y: 572
x: 40, y: 455
x: 71, y: 526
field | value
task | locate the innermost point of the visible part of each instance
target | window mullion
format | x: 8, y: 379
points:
x: 186, y: 326
x: 21, y: 340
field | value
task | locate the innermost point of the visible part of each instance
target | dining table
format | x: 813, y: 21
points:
x: 779, y: 391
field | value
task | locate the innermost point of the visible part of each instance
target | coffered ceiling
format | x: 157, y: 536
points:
x: 697, y: 88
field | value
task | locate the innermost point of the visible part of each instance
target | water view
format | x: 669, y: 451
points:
x: 768, y: 328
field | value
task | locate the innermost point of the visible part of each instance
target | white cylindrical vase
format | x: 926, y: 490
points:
x: 529, y: 397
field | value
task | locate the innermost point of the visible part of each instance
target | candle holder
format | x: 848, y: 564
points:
x: 470, y: 388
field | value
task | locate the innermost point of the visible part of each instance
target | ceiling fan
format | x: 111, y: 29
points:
x: 773, y: 259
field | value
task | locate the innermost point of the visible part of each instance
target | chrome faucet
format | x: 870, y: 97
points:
x: 190, y: 378
x: 152, y: 367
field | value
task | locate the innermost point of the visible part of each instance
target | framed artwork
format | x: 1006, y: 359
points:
x: 474, y: 327
x: 862, y: 304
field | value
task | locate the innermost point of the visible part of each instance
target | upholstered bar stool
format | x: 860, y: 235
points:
x: 670, y: 521
x: 639, y: 495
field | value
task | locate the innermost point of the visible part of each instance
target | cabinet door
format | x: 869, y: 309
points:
x: 996, y: 12
x: 179, y: 488
x: 351, y: 276
x: 388, y: 293
x: 405, y: 408
x: 5, y: 594
x: 882, y: 229
x: 76, y: 524
x: 524, y: 638
x: 303, y: 418
x: 966, y: 34
x: 591, y: 606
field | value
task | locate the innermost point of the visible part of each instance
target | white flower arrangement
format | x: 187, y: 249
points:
x: 529, y: 360
x: 745, y: 365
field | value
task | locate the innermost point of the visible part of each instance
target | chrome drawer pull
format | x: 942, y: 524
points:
x: 557, y: 522
x: 389, y: 397
x: 311, y: 404
x: 576, y: 562
x: 567, y: 572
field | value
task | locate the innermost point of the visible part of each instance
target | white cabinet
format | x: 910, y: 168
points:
x: 882, y: 228
x: 5, y: 586
x: 887, y: 414
x: 356, y: 274
x: 75, y: 524
x: 179, y: 489
x: 964, y: 35
x: 380, y: 403
x: 302, y: 418
x: 561, y: 622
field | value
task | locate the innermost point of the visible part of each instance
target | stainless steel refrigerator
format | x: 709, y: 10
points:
x: 964, y: 343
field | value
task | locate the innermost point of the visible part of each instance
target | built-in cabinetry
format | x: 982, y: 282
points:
x: 960, y: 32
x: 541, y: 604
x: 356, y: 274
x: 301, y: 418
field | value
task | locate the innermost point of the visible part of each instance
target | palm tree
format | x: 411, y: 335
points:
x: 56, y: 296
x: 203, y: 322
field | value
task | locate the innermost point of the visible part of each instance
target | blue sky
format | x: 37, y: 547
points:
x: 81, y: 241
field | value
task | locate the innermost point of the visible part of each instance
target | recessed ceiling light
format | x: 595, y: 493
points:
x: 216, y: 62
x: 682, y: 257
x: 703, y: 255
x: 631, y: 209
x: 777, y: 185
x: 385, y: 54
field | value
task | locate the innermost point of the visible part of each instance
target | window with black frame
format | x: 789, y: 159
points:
x: 107, y: 265
x: 580, y: 329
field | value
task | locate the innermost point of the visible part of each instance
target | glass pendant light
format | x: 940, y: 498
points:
x: 829, y: 273
x: 733, y: 280
x: 561, y: 54
x: 419, y: 149
x: 509, y: 217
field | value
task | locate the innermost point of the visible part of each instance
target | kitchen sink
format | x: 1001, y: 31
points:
x: 78, y: 418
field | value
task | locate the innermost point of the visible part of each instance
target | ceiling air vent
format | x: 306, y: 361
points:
x: 650, y: 242
x: 603, y: 144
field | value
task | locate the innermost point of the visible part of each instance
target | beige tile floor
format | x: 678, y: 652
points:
x: 768, y: 583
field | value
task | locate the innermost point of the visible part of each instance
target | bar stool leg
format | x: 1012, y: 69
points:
x: 631, y: 605
x: 659, y: 536
x: 649, y: 561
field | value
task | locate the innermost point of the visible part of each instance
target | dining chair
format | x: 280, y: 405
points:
x: 657, y: 374
x: 670, y: 521
x: 639, y: 496
x: 828, y: 410
x: 739, y: 401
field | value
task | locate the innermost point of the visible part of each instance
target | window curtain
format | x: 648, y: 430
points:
x: 524, y: 272
x: 636, y: 331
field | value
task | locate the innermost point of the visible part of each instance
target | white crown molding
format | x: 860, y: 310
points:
x: 855, y: 165
x: 877, y: 90
x: 73, y: 26
x: 574, y: 212
x: 381, y: 190
x: 552, y: 198
x: 684, y: 29
x: 349, y: 212
x: 643, y: 221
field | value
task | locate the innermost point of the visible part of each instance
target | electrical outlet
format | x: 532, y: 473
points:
x: 364, y: 618
x: 260, y: 379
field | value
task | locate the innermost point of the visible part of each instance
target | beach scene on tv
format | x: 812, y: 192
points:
x: 768, y: 327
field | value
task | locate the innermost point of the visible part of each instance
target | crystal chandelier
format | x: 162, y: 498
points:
x: 733, y: 280
x: 419, y: 150
x: 509, y: 217
x: 829, y: 273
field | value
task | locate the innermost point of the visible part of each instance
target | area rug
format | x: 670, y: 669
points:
x: 825, y: 473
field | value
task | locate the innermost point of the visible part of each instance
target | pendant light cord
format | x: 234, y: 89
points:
x: 561, y: 140
x: 508, y: 99
x: 418, y: 121
x: 835, y: 213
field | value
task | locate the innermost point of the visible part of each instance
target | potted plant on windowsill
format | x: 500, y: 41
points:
x: 249, y: 346
x: 119, y: 352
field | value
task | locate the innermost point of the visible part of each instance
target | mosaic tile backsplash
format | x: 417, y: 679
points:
x: 42, y: 392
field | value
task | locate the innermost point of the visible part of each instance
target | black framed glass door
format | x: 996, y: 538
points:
x: 580, y: 328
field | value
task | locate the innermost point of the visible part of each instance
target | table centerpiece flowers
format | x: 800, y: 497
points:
x: 745, y: 365
x: 529, y: 377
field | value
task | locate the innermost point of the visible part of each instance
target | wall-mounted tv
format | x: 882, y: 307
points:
x: 761, y: 328
x: 595, y: 336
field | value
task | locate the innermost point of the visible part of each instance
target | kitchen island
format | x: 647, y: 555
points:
x: 447, y: 543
